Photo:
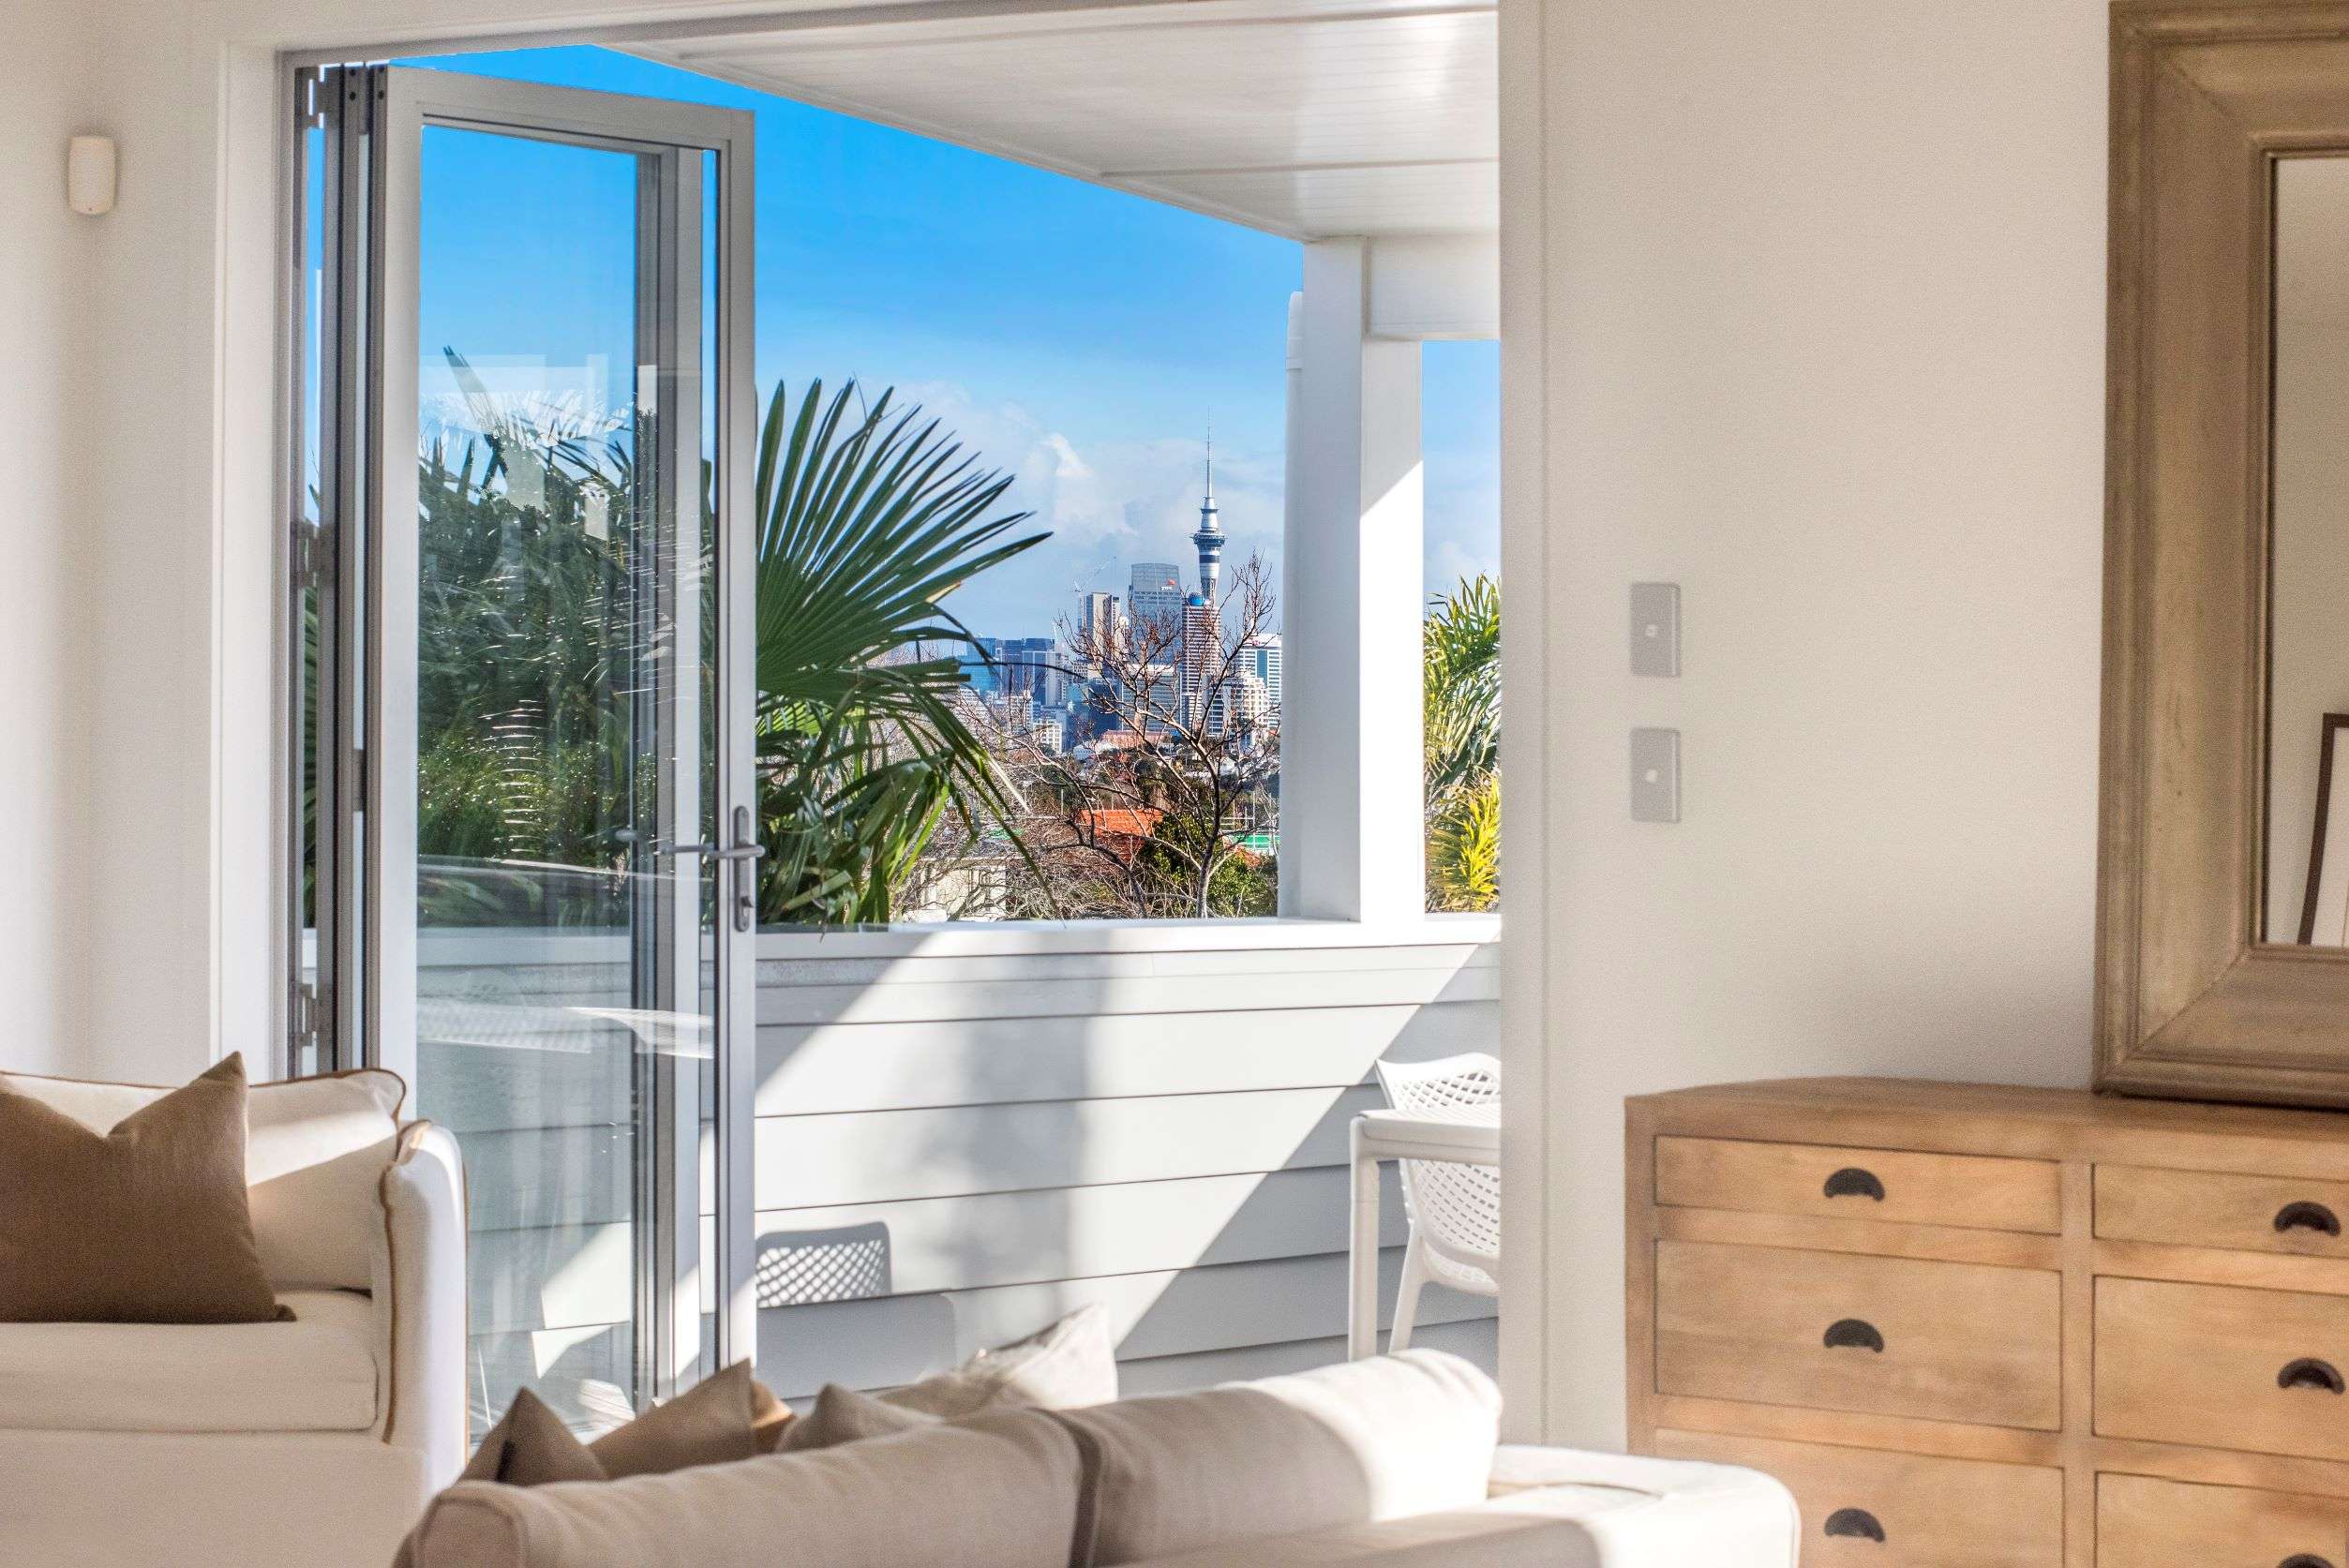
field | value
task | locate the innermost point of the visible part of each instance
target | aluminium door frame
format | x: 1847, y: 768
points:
x: 381, y: 942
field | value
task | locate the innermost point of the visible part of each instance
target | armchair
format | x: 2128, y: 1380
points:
x: 309, y: 1444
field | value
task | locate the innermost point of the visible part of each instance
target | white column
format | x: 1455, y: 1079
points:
x: 1352, y: 593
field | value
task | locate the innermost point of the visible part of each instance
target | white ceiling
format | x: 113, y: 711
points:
x: 1310, y: 118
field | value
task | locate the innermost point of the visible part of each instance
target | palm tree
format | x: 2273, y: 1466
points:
x: 868, y: 518
x: 1461, y: 687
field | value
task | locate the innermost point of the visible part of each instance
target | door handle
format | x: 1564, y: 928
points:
x: 2306, y: 1216
x: 743, y: 854
x: 744, y: 851
x: 713, y: 852
x: 2309, y: 1372
x: 1857, y: 1523
x: 719, y: 853
x: 1856, y: 1334
x: 1853, y: 1182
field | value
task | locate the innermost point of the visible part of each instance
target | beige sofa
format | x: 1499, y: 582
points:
x: 313, y: 1444
x: 1392, y: 1462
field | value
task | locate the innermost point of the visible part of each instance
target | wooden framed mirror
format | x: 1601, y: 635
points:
x: 2222, y: 943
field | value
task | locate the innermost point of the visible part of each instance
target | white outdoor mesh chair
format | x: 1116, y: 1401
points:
x: 1455, y: 1209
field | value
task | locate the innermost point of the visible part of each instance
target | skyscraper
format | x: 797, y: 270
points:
x: 1154, y: 598
x: 1260, y: 656
x: 1097, y: 629
x: 1202, y: 655
x: 1208, y: 537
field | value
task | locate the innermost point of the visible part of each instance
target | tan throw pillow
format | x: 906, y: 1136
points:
x: 726, y: 1417
x: 722, y: 1418
x: 1069, y: 1365
x: 315, y: 1149
x: 146, y: 1223
x: 844, y: 1415
x: 530, y: 1447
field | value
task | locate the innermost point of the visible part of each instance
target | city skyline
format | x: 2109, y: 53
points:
x: 1051, y: 689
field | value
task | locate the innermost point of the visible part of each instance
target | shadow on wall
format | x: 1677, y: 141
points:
x: 802, y: 1268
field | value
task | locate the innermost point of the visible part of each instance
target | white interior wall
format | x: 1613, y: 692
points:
x: 150, y: 565
x: 44, y: 635
x: 1823, y: 306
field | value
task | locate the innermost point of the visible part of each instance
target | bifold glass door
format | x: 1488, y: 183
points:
x: 543, y: 415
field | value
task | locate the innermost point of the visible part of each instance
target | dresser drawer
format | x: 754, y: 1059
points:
x: 1837, y: 1330
x: 1865, y: 1508
x: 1966, y: 1190
x: 2145, y: 1523
x: 2206, y: 1208
x: 2216, y: 1367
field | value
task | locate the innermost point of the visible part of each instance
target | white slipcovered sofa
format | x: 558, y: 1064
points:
x: 309, y: 1444
x: 1393, y: 1461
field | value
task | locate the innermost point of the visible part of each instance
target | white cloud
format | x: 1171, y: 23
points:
x: 1107, y: 505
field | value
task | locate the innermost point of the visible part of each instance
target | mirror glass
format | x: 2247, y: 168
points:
x: 2307, y: 707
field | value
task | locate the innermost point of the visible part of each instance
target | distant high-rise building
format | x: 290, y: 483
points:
x: 1029, y: 668
x: 1260, y: 656
x: 1154, y: 598
x: 1158, y: 700
x: 1202, y: 654
x: 1242, y: 707
x: 1098, y: 626
x: 1208, y: 537
x: 982, y: 664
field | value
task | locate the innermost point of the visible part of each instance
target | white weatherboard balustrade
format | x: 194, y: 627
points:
x: 954, y: 1146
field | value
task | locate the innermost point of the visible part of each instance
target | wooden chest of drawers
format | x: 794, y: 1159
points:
x: 1980, y: 1327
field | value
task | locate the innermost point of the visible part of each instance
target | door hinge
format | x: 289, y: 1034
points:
x: 308, y: 1019
x: 312, y: 562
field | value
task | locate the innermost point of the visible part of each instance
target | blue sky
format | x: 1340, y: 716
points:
x: 1078, y: 337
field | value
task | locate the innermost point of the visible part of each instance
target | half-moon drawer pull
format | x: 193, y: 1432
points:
x: 2307, y: 1217
x: 2304, y: 1559
x: 1852, y: 1182
x: 1854, y: 1333
x: 2309, y: 1372
x: 1860, y: 1523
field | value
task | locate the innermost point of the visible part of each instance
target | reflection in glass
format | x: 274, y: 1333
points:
x: 2308, y: 801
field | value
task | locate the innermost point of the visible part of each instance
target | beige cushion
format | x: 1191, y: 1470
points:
x: 1066, y: 1366
x: 315, y: 1149
x: 725, y: 1417
x: 1352, y: 1443
x: 145, y: 1223
x: 729, y: 1415
x: 1555, y: 1507
x: 315, y: 1374
x: 1463, y: 1538
x: 844, y: 1415
x: 530, y: 1446
x: 1070, y: 1364
x: 999, y: 1491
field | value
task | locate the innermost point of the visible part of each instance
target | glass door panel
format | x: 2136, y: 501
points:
x: 560, y: 759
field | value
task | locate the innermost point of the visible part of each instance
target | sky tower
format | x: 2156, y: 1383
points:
x: 1209, y: 537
